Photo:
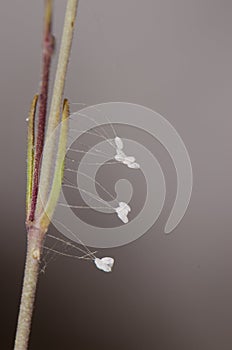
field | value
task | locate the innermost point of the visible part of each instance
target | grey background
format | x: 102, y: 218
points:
x: 166, y: 292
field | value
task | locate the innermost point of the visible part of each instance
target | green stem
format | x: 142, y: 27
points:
x: 34, y: 251
x: 56, y: 103
x: 35, y: 231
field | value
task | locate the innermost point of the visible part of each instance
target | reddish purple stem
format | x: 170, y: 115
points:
x: 48, y: 48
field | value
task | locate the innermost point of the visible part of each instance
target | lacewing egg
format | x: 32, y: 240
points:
x: 105, y: 264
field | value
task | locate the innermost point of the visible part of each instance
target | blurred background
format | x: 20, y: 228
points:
x: 166, y: 292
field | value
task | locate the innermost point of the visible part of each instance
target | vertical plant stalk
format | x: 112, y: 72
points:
x: 37, y: 229
x: 57, y: 96
x: 34, y: 244
x: 48, y: 48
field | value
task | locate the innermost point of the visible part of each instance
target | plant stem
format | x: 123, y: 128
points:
x: 35, y: 232
x: 48, y: 48
x: 34, y: 251
x: 54, y: 116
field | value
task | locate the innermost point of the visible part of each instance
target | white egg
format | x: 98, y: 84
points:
x: 133, y: 165
x: 118, y: 143
x: 104, y: 264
